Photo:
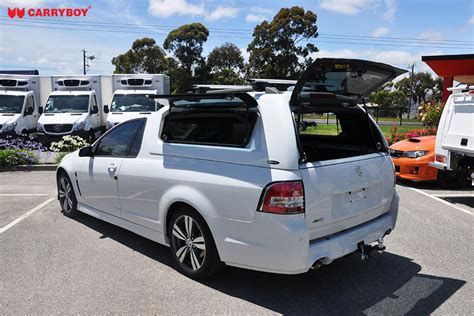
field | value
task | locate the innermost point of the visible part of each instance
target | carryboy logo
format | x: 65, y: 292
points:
x: 39, y: 12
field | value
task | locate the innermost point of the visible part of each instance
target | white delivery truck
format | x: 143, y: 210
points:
x: 75, y: 107
x: 20, y: 99
x: 454, y: 149
x: 130, y: 99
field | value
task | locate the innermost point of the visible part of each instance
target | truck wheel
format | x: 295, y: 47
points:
x: 450, y: 179
x: 192, y: 246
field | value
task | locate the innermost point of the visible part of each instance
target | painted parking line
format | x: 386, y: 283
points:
x: 461, y: 195
x: 22, y: 217
x: 442, y: 201
x: 24, y: 194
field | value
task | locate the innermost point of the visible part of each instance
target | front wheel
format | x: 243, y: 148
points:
x: 66, y: 196
x: 192, y: 245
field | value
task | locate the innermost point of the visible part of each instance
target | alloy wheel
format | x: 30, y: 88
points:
x: 188, y: 243
x: 65, y: 195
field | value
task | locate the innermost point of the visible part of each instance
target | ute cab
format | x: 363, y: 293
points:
x: 19, y: 104
x: 74, y: 108
x: 131, y: 96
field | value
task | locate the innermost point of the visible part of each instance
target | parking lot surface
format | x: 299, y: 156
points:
x: 53, y: 264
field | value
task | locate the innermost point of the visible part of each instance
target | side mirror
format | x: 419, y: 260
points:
x: 95, y: 109
x: 106, y: 109
x: 86, y: 152
x: 40, y: 110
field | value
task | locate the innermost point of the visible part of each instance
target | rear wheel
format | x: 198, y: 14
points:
x: 192, y: 246
x: 66, y: 196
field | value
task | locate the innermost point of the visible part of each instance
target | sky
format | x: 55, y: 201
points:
x: 397, y: 32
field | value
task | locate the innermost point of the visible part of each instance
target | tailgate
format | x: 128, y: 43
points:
x: 343, y: 193
x: 460, y: 128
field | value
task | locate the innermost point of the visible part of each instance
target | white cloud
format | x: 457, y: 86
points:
x: 391, y: 9
x: 349, y: 7
x: 431, y: 35
x: 24, y: 3
x: 167, y: 8
x: 222, y: 12
x: 380, y: 31
x: 471, y: 20
x: 255, y: 18
x: 245, y: 54
x: 260, y: 10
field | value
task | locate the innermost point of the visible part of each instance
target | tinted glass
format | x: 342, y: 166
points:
x: 212, y: 128
x: 67, y: 104
x: 30, y: 102
x: 118, y: 141
x: 132, y: 103
x: 11, y: 103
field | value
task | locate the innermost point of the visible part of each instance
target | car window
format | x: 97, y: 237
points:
x: 119, y: 141
x: 220, y: 128
x: 30, y: 102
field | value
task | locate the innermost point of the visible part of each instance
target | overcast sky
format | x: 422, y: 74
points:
x: 392, y: 31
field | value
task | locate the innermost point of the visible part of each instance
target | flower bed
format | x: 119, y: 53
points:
x: 19, y: 150
x: 395, y: 136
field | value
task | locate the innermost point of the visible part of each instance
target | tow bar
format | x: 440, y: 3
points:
x: 366, y: 250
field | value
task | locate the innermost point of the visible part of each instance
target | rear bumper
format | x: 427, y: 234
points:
x: 280, y: 244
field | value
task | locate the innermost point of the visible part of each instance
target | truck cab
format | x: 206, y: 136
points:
x: 131, y: 100
x: 19, y: 105
x: 74, y: 108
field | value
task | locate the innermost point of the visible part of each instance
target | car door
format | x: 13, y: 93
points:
x: 98, y: 176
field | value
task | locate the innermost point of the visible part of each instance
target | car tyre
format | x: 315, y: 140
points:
x: 192, y: 245
x: 66, y: 196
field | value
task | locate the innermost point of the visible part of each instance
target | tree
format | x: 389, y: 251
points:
x: 423, y: 83
x: 276, y: 50
x: 225, y: 64
x: 186, y: 43
x: 144, y: 57
x: 391, y: 103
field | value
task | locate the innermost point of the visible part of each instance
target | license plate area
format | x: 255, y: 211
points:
x: 356, y: 201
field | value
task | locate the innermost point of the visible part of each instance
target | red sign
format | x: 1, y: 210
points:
x: 40, y: 12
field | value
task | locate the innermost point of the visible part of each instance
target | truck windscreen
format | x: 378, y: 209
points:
x: 67, y: 104
x: 11, y: 103
x: 132, y: 103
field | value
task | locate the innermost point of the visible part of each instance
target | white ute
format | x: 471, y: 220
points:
x: 20, y: 99
x: 222, y: 178
x: 454, y: 149
x: 75, y: 108
x: 130, y: 99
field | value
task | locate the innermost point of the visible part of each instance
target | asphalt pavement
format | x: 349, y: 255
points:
x: 50, y: 264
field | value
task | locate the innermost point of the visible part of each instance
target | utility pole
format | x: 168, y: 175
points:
x: 411, y: 89
x: 84, y: 59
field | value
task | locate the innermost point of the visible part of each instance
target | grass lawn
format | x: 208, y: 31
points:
x: 386, y: 119
x: 331, y: 129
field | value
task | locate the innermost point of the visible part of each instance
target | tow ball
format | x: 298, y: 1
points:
x: 366, y: 250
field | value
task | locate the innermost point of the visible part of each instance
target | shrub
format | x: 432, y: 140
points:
x: 68, y: 144
x: 21, y: 142
x: 16, y: 157
x: 395, y: 136
x: 430, y: 113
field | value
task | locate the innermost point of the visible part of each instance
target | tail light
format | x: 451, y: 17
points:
x: 440, y: 158
x: 283, y: 198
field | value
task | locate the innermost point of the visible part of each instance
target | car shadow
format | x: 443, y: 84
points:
x: 384, y: 284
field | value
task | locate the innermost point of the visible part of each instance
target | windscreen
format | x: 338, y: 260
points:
x: 11, y: 103
x: 132, y: 103
x: 67, y: 104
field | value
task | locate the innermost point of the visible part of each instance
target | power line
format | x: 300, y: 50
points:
x: 127, y: 27
x: 444, y: 46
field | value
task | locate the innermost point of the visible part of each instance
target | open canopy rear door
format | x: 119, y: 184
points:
x: 349, y: 77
